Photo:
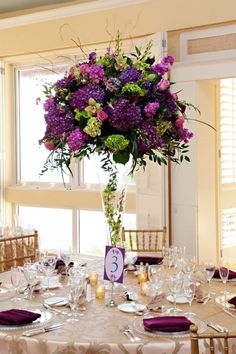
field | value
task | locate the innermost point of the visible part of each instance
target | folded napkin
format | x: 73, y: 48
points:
x: 232, y: 274
x: 60, y: 263
x: 17, y: 317
x: 167, y: 324
x: 232, y: 301
x: 149, y: 260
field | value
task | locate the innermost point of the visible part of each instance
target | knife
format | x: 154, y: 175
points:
x: 216, y: 327
x: 33, y: 332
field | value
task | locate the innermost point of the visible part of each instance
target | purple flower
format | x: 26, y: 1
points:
x: 76, y: 139
x: 58, y: 121
x: 50, y: 102
x: 130, y: 75
x: 84, y: 68
x: 148, y: 138
x: 80, y: 98
x: 96, y: 73
x: 163, y: 84
x: 151, y: 108
x: 112, y: 84
x: 92, y: 56
x: 159, y: 69
x: 124, y: 115
x: 168, y: 59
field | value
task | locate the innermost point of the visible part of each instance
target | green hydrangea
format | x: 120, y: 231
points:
x: 134, y: 89
x: 93, y: 127
x: 141, y: 65
x: 116, y: 142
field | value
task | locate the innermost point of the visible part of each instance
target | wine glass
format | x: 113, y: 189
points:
x: 224, y: 274
x: 189, y: 291
x: 48, y: 265
x: 16, y: 281
x: 66, y: 257
x: 30, y: 272
x: 209, y: 268
x: 175, y: 284
x: 76, y: 298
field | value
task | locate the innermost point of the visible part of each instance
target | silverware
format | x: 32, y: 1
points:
x: 56, y: 311
x: 229, y: 312
x: 34, y: 332
x: 216, y: 326
x: 206, y: 300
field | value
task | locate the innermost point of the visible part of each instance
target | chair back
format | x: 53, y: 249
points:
x: 17, y: 250
x: 144, y: 240
x: 211, y: 338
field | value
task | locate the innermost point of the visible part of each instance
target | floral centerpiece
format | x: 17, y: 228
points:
x: 121, y: 107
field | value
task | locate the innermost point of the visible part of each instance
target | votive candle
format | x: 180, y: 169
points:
x: 93, y: 278
x: 142, y: 277
x: 144, y: 288
x: 100, y: 291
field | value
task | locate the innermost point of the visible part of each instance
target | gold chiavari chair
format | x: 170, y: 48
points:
x: 144, y: 240
x: 17, y: 250
x: 211, y: 338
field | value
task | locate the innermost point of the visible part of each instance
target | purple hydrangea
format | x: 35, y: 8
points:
x: 96, y: 72
x: 58, y: 121
x: 148, y: 138
x: 76, y: 139
x: 151, y: 108
x: 80, y: 98
x: 130, y: 75
x: 124, y: 115
x: 112, y: 84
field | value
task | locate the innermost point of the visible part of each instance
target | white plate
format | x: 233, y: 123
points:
x: 56, y: 301
x: 131, y: 308
x: 138, y: 327
x: 3, y: 290
x: 180, y: 299
x: 53, y: 282
x: 42, y: 320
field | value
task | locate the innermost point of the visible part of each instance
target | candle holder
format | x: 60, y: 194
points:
x: 112, y: 302
x: 144, y: 288
x: 142, y: 277
x: 93, y: 278
x: 100, y: 291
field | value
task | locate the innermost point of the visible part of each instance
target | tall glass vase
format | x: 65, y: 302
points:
x: 113, y: 181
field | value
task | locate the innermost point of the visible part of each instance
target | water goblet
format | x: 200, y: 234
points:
x: 189, y: 291
x: 76, y: 298
x: 30, y: 272
x: 66, y: 257
x: 175, y: 284
x: 224, y: 274
x: 16, y: 280
x: 48, y: 265
x: 209, y: 268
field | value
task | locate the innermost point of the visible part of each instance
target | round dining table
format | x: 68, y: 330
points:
x: 100, y: 329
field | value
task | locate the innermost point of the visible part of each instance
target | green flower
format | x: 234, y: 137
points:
x: 116, y: 142
x: 93, y: 127
x: 140, y: 65
x: 93, y: 107
x: 121, y: 62
x: 133, y: 89
x: 162, y: 127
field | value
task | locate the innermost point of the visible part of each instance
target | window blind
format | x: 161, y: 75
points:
x: 228, y: 130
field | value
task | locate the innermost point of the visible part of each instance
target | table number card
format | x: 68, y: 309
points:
x: 114, y: 264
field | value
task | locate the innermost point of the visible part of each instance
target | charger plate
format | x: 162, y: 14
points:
x: 139, y: 328
x: 222, y: 301
x: 41, y: 321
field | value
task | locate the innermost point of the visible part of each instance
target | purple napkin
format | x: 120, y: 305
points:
x: 61, y: 263
x: 149, y: 260
x: 17, y: 317
x: 167, y: 324
x: 232, y: 301
x: 232, y: 274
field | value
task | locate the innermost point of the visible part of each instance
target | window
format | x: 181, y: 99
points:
x: 228, y: 130
x: 229, y: 227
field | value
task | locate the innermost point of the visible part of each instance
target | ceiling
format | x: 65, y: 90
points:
x: 17, y: 5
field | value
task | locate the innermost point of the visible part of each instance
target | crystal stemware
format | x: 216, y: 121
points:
x: 224, y: 274
x: 16, y: 281
x: 175, y: 284
x: 209, y: 268
x: 30, y: 272
x: 76, y: 298
x: 48, y: 265
x: 189, y: 291
x: 66, y: 257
